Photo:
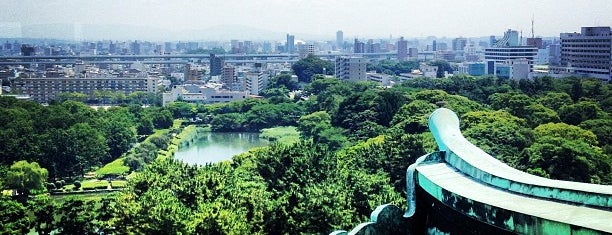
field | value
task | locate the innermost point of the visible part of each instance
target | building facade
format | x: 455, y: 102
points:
x: 216, y: 65
x: 402, y: 49
x: 46, y: 89
x: 351, y: 68
x: 209, y: 93
x: 588, y: 53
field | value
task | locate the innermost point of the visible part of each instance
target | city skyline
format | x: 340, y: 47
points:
x: 305, y: 19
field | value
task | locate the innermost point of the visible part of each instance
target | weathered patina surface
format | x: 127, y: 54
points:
x: 463, y: 190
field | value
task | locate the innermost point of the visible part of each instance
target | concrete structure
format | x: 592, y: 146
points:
x: 463, y: 190
x: 429, y: 71
x: 46, y: 89
x: 207, y: 93
x: 510, y: 39
x: 290, y: 44
x: 459, y: 43
x: 358, y: 47
x: 554, y: 54
x: 498, y: 56
x: 228, y: 77
x: 306, y: 49
x: 339, y: 39
x: 402, y: 49
x: 588, y: 53
x: 351, y: 68
x: 193, y: 72
x: 383, y: 79
x: 255, y: 82
x: 413, y: 52
x: 472, y: 68
x: 216, y: 65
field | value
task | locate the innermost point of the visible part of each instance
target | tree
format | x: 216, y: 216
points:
x: 14, y: 217
x: 162, y: 119
x: 567, y: 152
x: 443, y: 66
x: 87, y: 146
x: 581, y: 111
x: 145, y: 126
x: 76, y: 217
x: 311, y: 65
x: 24, y: 176
x: 44, y: 210
x: 498, y: 133
x: 283, y: 80
x: 555, y: 100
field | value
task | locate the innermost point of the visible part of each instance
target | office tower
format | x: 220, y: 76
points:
x: 358, y: 47
x: 434, y: 46
x: 402, y: 49
x: 136, y: 48
x: 505, y: 53
x: 216, y: 65
x: 554, y: 54
x: 459, y: 44
x: 351, y: 68
x: 339, y: 39
x: 228, y: 77
x: 290, y: 44
x: 588, y: 53
x: 535, y: 42
x: 510, y: 39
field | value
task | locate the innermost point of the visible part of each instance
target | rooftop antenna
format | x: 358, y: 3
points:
x: 532, y: 32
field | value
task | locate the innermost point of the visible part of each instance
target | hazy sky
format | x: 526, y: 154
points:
x: 362, y: 18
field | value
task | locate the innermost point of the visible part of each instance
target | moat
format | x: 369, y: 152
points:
x: 213, y: 147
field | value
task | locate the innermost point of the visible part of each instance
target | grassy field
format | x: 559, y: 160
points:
x: 115, y: 167
x: 281, y: 134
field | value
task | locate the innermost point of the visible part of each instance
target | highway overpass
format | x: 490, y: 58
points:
x: 463, y: 190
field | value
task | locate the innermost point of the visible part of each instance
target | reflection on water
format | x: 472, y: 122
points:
x: 213, y: 147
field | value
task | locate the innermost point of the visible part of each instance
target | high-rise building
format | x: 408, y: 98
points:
x: 306, y: 49
x: 358, y: 47
x: 434, y: 46
x: 339, y: 39
x: 255, y: 82
x: 351, y: 68
x: 46, y: 89
x: 228, y: 77
x: 459, y: 43
x: 588, y: 53
x: 554, y: 54
x: 510, y: 39
x: 535, y: 42
x: 290, y: 44
x: 402, y: 49
x: 505, y: 53
x: 216, y: 65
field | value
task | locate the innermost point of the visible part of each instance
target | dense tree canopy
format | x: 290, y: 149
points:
x: 356, y: 141
x: 311, y: 65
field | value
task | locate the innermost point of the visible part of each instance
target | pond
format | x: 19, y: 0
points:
x: 213, y: 147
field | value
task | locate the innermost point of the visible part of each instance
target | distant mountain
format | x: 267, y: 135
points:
x: 79, y: 32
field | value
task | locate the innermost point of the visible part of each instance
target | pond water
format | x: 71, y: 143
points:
x: 213, y: 147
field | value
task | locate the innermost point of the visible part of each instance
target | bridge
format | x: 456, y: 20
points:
x: 463, y: 190
x: 174, y: 58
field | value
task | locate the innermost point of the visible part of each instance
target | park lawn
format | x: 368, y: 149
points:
x: 281, y: 134
x: 115, y: 167
x: 94, y: 183
x: 119, y: 183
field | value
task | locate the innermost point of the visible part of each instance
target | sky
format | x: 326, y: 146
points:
x: 356, y: 18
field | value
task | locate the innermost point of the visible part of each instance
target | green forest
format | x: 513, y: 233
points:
x: 356, y: 141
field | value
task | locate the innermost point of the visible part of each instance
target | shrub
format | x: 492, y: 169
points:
x: 58, y: 184
x: 50, y: 186
x: 77, y: 185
